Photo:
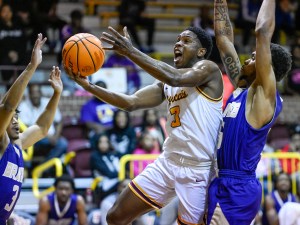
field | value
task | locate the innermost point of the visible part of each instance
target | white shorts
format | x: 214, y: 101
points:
x: 167, y: 177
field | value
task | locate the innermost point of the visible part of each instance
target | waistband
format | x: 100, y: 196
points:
x: 183, y: 161
x: 238, y: 174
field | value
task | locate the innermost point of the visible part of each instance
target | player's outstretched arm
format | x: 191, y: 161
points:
x: 263, y: 89
x: 187, y: 77
x: 149, y: 96
x: 40, y: 129
x: 14, y: 95
x: 225, y: 41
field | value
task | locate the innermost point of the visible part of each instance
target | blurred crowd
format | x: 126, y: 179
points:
x: 103, y: 134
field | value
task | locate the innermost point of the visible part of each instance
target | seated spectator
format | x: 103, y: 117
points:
x: 96, y: 114
x: 62, y: 206
x: 13, y: 43
x: 105, y: 163
x: 122, y: 136
x: 246, y: 19
x: 145, y: 146
x: 291, y: 165
x: 131, y: 15
x: 284, y: 20
x: 153, y: 124
x: 275, y: 200
x: 30, y: 109
x: 133, y: 77
x: 293, y: 80
x: 73, y: 27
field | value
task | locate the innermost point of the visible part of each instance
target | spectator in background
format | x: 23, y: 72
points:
x: 133, y: 77
x: 246, y: 19
x: 47, y: 21
x: 62, y: 206
x: 154, y: 125
x: 105, y: 163
x: 122, y: 136
x: 145, y: 146
x: 131, y: 14
x: 30, y: 109
x: 284, y: 20
x: 13, y: 42
x: 275, y: 200
x: 96, y: 114
x: 73, y: 27
x: 293, y: 80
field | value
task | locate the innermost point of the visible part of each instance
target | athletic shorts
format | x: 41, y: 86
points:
x: 239, y: 199
x: 165, y: 178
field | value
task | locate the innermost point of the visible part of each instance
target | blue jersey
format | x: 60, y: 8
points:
x: 242, y: 144
x: 11, y: 170
x: 62, y: 216
x: 237, y: 190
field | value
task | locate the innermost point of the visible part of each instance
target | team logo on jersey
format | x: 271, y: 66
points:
x: 14, y: 172
x: 232, y: 109
x: 181, y: 95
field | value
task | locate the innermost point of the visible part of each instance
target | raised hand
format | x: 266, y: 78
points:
x: 120, y: 44
x: 55, y: 79
x: 81, y: 80
x: 36, y: 56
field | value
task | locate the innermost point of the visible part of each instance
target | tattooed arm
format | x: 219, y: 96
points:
x: 225, y: 41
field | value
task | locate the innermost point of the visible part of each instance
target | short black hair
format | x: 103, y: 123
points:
x: 101, y: 83
x: 76, y: 14
x: 281, y: 61
x: 65, y: 178
x: 204, y: 38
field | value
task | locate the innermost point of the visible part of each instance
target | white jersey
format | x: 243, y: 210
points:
x: 193, y: 122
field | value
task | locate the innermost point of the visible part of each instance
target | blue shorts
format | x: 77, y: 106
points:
x: 239, y: 198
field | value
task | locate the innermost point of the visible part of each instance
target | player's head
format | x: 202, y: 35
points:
x: 283, y: 182
x: 121, y: 119
x: 35, y: 94
x: 64, y: 187
x: 204, y: 38
x: 192, y: 45
x: 281, y: 61
x: 13, y: 130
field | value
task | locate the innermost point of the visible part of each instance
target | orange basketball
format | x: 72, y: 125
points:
x: 83, y: 52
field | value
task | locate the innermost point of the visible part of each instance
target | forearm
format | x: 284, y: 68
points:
x: 265, y: 23
x: 222, y: 25
x: 120, y: 100
x: 157, y: 69
x: 46, y: 118
x: 16, y: 91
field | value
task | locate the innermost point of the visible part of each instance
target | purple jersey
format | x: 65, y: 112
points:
x: 62, y: 216
x: 236, y: 189
x: 11, y: 170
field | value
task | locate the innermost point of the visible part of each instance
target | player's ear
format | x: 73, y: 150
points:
x: 201, y: 52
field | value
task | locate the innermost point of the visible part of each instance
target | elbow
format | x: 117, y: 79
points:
x: 264, y: 30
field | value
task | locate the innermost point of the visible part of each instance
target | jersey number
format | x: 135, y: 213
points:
x: 175, y: 111
x: 8, y: 207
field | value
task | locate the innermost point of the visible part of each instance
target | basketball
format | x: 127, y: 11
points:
x: 83, y: 52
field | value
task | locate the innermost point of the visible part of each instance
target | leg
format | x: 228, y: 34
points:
x: 218, y: 217
x: 127, y: 208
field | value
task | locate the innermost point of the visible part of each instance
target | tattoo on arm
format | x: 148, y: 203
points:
x: 222, y: 17
x: 232, y: 66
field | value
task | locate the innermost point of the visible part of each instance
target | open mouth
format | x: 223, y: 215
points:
x: 177, y: 55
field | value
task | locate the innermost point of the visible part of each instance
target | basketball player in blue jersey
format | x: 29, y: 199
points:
x: 62, y: 206
x: 235, y: 196
x: 193, y: 91
x: 12, y: 141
